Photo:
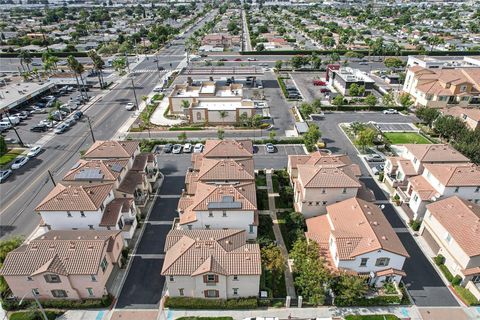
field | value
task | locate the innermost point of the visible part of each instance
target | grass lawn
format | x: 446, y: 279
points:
x: 405, y: 137
x: 276, y: 183
x: 372, y: 317
x: 467, y: 296
x: 262, y: 199
x: 260, y: 180
x: 9, y: 156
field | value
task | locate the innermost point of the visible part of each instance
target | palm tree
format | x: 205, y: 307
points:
x: 223, y: 114
x: 73, y: 65
x: 25, y: 59
x: 98, y: 65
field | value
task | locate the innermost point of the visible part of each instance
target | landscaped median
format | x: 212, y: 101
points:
x: 8, y: 157
x: 34, y: 315
x: 406, y: 137
x: 210, y: 304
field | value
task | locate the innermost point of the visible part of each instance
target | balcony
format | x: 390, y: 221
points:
x: 402, y: 193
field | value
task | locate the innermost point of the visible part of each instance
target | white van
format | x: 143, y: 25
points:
x: 5, y: 125
x: 13, y: 119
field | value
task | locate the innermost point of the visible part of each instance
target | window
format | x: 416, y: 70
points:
x: 172, y: 278
x: 211, y: 278
x: 317, y: 203
x: 207, y: 226
x: 59, y: 293
x: 90, y: 226
x: 104, y: 264
x: 466, y: 98
x: 382, y: 262
x: 69, y: 215
x: 477, y: 189
x: 82, y: 214
x: 210, y: 214
x: 448, y: 237
x: 310, y: 203
x: 324, y: 203
x: 35, y: 292
x: 463, y: 88
x: 476, y: 279
x: 211, y: 293
x: 120, y: 224
x: 199, y: 116
x: 456, y: 189
x: 29, y: 279
x: 235, y: 291
x: 344, y: 190
x: 363, y: 263
x: 324, y: 191
x: 93, y: 277
x: 181, y: 292
x: 102, y: 207
x: 90, y: 292
x: 250, y: 228
x: 189, y: 227
x: 235, y: 277
x: 415, y: 198
x: 52, y: 278
x: 224, y: 213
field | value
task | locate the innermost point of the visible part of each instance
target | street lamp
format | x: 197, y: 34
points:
x: 38, y: 304
x: 134, y: 92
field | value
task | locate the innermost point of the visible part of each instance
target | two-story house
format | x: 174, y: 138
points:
x: 211, y: 264
x: 87, y: 207
x: 94, y: 172
x: 452, y: 228
x: 411, y: 159
x: 471, y: 116
x: 354, y: 236
x: 441, y: 181
x: 64, y: 265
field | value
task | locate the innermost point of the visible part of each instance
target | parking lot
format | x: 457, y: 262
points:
x: 396, y: 127
x: 304, y: 82
x: 23, y: 128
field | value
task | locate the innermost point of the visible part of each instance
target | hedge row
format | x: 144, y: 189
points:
x: 216, y: 304
x: 12, y: 305
x: 360, y: 108
x: 364, y: 52
x: 29, y: 315
x: 364, y: 302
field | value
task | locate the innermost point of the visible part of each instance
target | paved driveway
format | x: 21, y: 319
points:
x: 277, y: 160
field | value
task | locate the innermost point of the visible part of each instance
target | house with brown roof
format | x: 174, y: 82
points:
x: 211, y: 264
x: 321, y: 179
x: 112, y: 149
x: 452, y: 228
x: 438, y: 88
x: 220, y: 189
x: 471, y: 116
x: 439, y: 181
x: 87, y: 207
x: 64, y: 265
x: 96, y: 171
x: 412, y: 157
x: 355, y: 237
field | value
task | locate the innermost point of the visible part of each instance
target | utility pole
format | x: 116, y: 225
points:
x: 15, y: 130
x: 51, y: 178
x: 134, y: 93
x: 126, y: 61
x: 91, y: 130
x: 156, y: 58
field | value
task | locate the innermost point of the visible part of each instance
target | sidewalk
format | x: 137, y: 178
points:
x: 278, y: 235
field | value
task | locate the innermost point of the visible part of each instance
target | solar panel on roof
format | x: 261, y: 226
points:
x: 89, y: 174
x: 225, y: 205
x: 116, y: 167
x: 227, y: 199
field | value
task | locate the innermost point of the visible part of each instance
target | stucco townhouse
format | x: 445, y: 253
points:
x: 211, y: 264
x: 320, y: 180
x: 64, y: 265
x: 440, y: 181
x: 411, y: 160
x: 220, y: 189
x: 452, y: 228
x: 355, y: 237
x: 471, y: 116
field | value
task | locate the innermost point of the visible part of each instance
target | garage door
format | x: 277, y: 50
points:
x: 431, y: 242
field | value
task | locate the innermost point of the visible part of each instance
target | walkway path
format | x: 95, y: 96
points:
x: 278, y: 235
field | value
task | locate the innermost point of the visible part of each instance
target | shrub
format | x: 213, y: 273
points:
x: 439, y: 259
x: 446, y: 272
x: 29, y: 315
x: 364, y: 302
x: 106, y: 301
x: 202, y: 304
x: 415, y: 224
x: 456, y: 280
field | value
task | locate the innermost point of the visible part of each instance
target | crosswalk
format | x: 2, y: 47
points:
x: 149, y: 70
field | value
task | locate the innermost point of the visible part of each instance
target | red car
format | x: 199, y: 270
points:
x: 319, y: 83
x: 238, y: 59
x: 324, y: 90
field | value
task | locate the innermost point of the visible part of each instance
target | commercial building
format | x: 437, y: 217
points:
x: 343, y: 78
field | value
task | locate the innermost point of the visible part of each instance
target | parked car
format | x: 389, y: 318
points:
x: 70, y: 122
x: 270, y: 148
x: 77, y: 115
x: 4, y: 174
x: 238, y: 59
x: 375, y: 158
x: 198, y: 148
x: 168, y: 148
x: 130, y: 106
x: 34, y: 151
x: 5, y: 125
x: 319, y: 83
x: 187, y: 148
x: 19, y: 162
x: 38, y: 110
x: 177, y: 148
x: 325, y: 90
x: 40, y: 104
x: 158, y: 89
x: 21, y: 116
x: 223, y: 59
x: 61, y: 128
x: 251, y: 59
x: 39, y: 128
x: 390, y: 111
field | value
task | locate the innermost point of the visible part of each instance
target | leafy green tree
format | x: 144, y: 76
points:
x: 306, y: 109
x: 388, y: 100
x: 427, y: 115
x: 350, y: 288
x: 272, y: 135
x: 260, y: 47
x: 338, y: 101
x: 120, y: 64
x: 5, y: 247
x: 316, y: 61
x: 278, y: 64
x: 371, y: 101
x: 220, y: 134
x: 223, y: 114
x: 405, y: 100
x: 273, y: 261
x: 365, y: 138
x: 353, y: 90
x: 182, y: 137
x: 311, y: 137
x: 297, y: 62
x: 393, y: 62
x: 256, y: 121
x: 450, y: 127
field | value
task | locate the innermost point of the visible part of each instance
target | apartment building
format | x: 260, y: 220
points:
x: 64, y: 265
x: 320, y: 179
x: 355, y: 237
x: 439, y: 88
x: 343, y: 78
x: 222, y: 40
x: 220, y: 189
x: 440, y: 181
x: 471, y: 116
x: 209, y: 102
x: 452, y: 228
x: 211, y: 264
x: 412, y: 158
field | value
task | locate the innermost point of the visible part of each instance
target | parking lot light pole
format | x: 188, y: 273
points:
x: 134, y: 93
x: 16, y: 132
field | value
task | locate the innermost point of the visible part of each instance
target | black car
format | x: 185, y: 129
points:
x: 78, y: 115
x: 168, y: 148
x: 39, y: 128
